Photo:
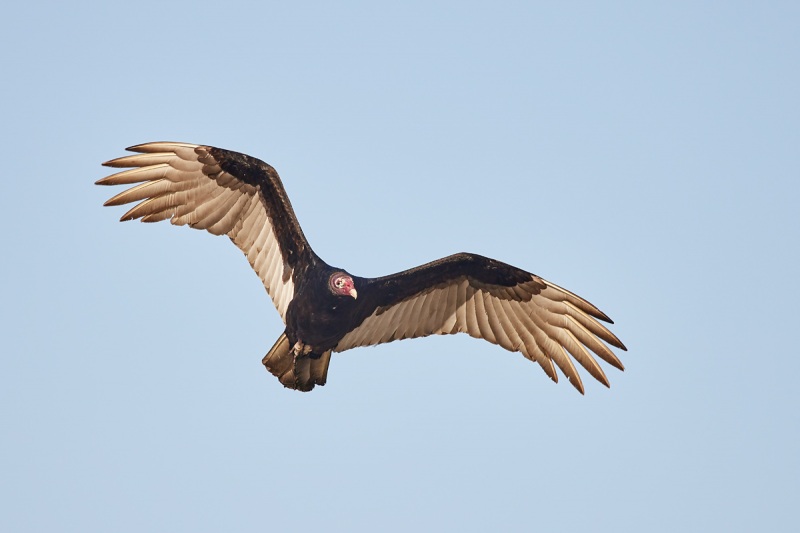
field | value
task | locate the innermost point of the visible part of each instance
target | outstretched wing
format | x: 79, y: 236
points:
x: 487, y: 299
x: 223, y: 192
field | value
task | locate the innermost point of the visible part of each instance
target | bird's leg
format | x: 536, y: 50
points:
x: 297, y: 349
x: 300, y: 349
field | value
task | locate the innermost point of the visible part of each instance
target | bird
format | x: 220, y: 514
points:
x: 326, y: 309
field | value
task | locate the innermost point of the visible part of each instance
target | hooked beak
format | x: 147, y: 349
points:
x: 354, y: 294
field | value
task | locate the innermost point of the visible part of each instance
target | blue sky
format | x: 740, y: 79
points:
x: 643, y: 155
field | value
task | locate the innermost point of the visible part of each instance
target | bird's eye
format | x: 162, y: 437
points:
x: 340, y: 283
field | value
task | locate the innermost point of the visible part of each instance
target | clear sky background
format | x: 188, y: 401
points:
x: 644, y: 155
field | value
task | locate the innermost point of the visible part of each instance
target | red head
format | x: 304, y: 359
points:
x: 342, y: 284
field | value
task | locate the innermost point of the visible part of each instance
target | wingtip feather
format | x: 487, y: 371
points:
x: 140, y: 148
x: 160, y: 146
x: 578, y: 385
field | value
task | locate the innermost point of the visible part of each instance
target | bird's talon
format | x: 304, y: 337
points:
x: 301, y: 349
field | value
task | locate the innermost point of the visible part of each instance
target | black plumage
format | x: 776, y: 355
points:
x: 328, y: 310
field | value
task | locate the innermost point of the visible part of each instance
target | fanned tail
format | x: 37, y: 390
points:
x: 299, y: 373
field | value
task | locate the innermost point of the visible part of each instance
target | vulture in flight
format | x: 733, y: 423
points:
x: 326, y: 309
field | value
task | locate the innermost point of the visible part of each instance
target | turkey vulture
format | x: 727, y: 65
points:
x: 325, y: 308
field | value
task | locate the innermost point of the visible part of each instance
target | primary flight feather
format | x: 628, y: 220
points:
x: 326, y: 309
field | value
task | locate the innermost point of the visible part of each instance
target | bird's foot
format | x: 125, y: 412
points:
x: 300, y: 349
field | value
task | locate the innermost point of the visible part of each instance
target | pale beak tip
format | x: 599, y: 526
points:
x: 354, y: 294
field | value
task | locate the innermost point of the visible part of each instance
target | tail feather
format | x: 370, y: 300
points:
x: 300, y: 373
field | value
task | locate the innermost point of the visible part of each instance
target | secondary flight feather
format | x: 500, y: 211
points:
x: 325, y: 308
